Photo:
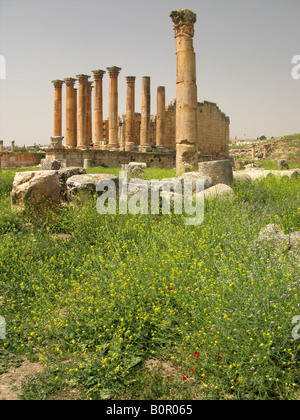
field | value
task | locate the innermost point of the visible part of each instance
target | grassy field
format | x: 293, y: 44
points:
x: 145, y: 307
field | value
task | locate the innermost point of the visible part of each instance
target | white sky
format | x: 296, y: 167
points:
x: 244, y: 50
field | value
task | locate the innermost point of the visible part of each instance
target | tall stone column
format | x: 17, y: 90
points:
x: 57, y: 106
x: 81, y: 110
x: 130, y: 107
x: 186, y: 91
x: 75, y: 116
x: 145, y: 145
x: 113, y: 107
x: 1, y: 146
x: 12, y: 147
x: 98, y: 107
x: 70, y: 105
x: 253, y: 151
x: 88, y: 133
x: 161, y: 117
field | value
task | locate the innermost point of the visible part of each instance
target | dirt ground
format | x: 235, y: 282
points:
x: 11, y: 381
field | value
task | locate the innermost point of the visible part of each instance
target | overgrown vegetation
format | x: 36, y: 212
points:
x: 209, y: 301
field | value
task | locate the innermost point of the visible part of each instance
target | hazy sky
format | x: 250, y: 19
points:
x: 244, y: 50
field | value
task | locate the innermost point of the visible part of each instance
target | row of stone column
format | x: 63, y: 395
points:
x: 12, y: 147
x: 79, y: 116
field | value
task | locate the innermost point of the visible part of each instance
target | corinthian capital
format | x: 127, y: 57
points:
x: 130, y: 79
x: 82, y: 78
x: 98, y: 74
x: 113, y: 71
x: 70, y: 81
x: 183, y: 20
x: 57, y: 83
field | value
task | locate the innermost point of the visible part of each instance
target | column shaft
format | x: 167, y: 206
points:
x: 70, y: 105
x: 75, y: 117
x: 81, y: 110
x: 113, y: 107
x: 161, y: 116
x: 57, y: 107
x: 145, y: 115
x: 130, y: 108
x: 186, y: 91
x: 98, y: 107
x: 88, y: 134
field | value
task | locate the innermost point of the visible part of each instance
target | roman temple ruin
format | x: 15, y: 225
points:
x: 181, y: 134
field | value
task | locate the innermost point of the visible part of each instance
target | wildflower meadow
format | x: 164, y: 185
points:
x: 146, y: 307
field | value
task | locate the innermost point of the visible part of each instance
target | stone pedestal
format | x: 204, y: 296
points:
x: 57, y: 107
x: 87, y: 163
x: 113, y: 107
x: 70, y: 113
x: 130, y: 105
x: 145, y: 145
x: 98, y: 107
x: 160, y: 117
x: 130, y: 146
x: 186, y: 91
x: 82, y: 106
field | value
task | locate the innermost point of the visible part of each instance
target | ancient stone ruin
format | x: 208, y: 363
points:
x: 183, y: 133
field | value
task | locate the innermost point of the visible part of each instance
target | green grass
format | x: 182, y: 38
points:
x: 209, y: 301
x: 150, y: 173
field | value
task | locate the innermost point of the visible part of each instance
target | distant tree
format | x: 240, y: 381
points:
x: 262, y: 138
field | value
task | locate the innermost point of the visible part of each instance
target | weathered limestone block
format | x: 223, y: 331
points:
x: 50, y: 164
x: 66, y: 173
x: 220, y: 171
x: 36, y: 191
x: 241, y: 177
x: 132, y: 165
x: 263, y: 173
x: 208, y: 182
x: 186, y: 157
x: 219, y: 190
x: 137, y: 170
x: 273, y: 235
x: 83, y: 187
x: 283, y: 164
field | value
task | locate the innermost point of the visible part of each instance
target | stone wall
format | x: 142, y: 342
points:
x: 115, y: 158
x: 112, y: 158
x: 213, y: 129
x: 19, y: 159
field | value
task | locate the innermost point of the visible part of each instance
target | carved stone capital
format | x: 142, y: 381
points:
x: 57, y: 83
x: 130, y: 79
x: 70, y: 81
x: 98, y: 74
x: 183, y: 20
x: 82, y: 78
x: 113, y: 71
